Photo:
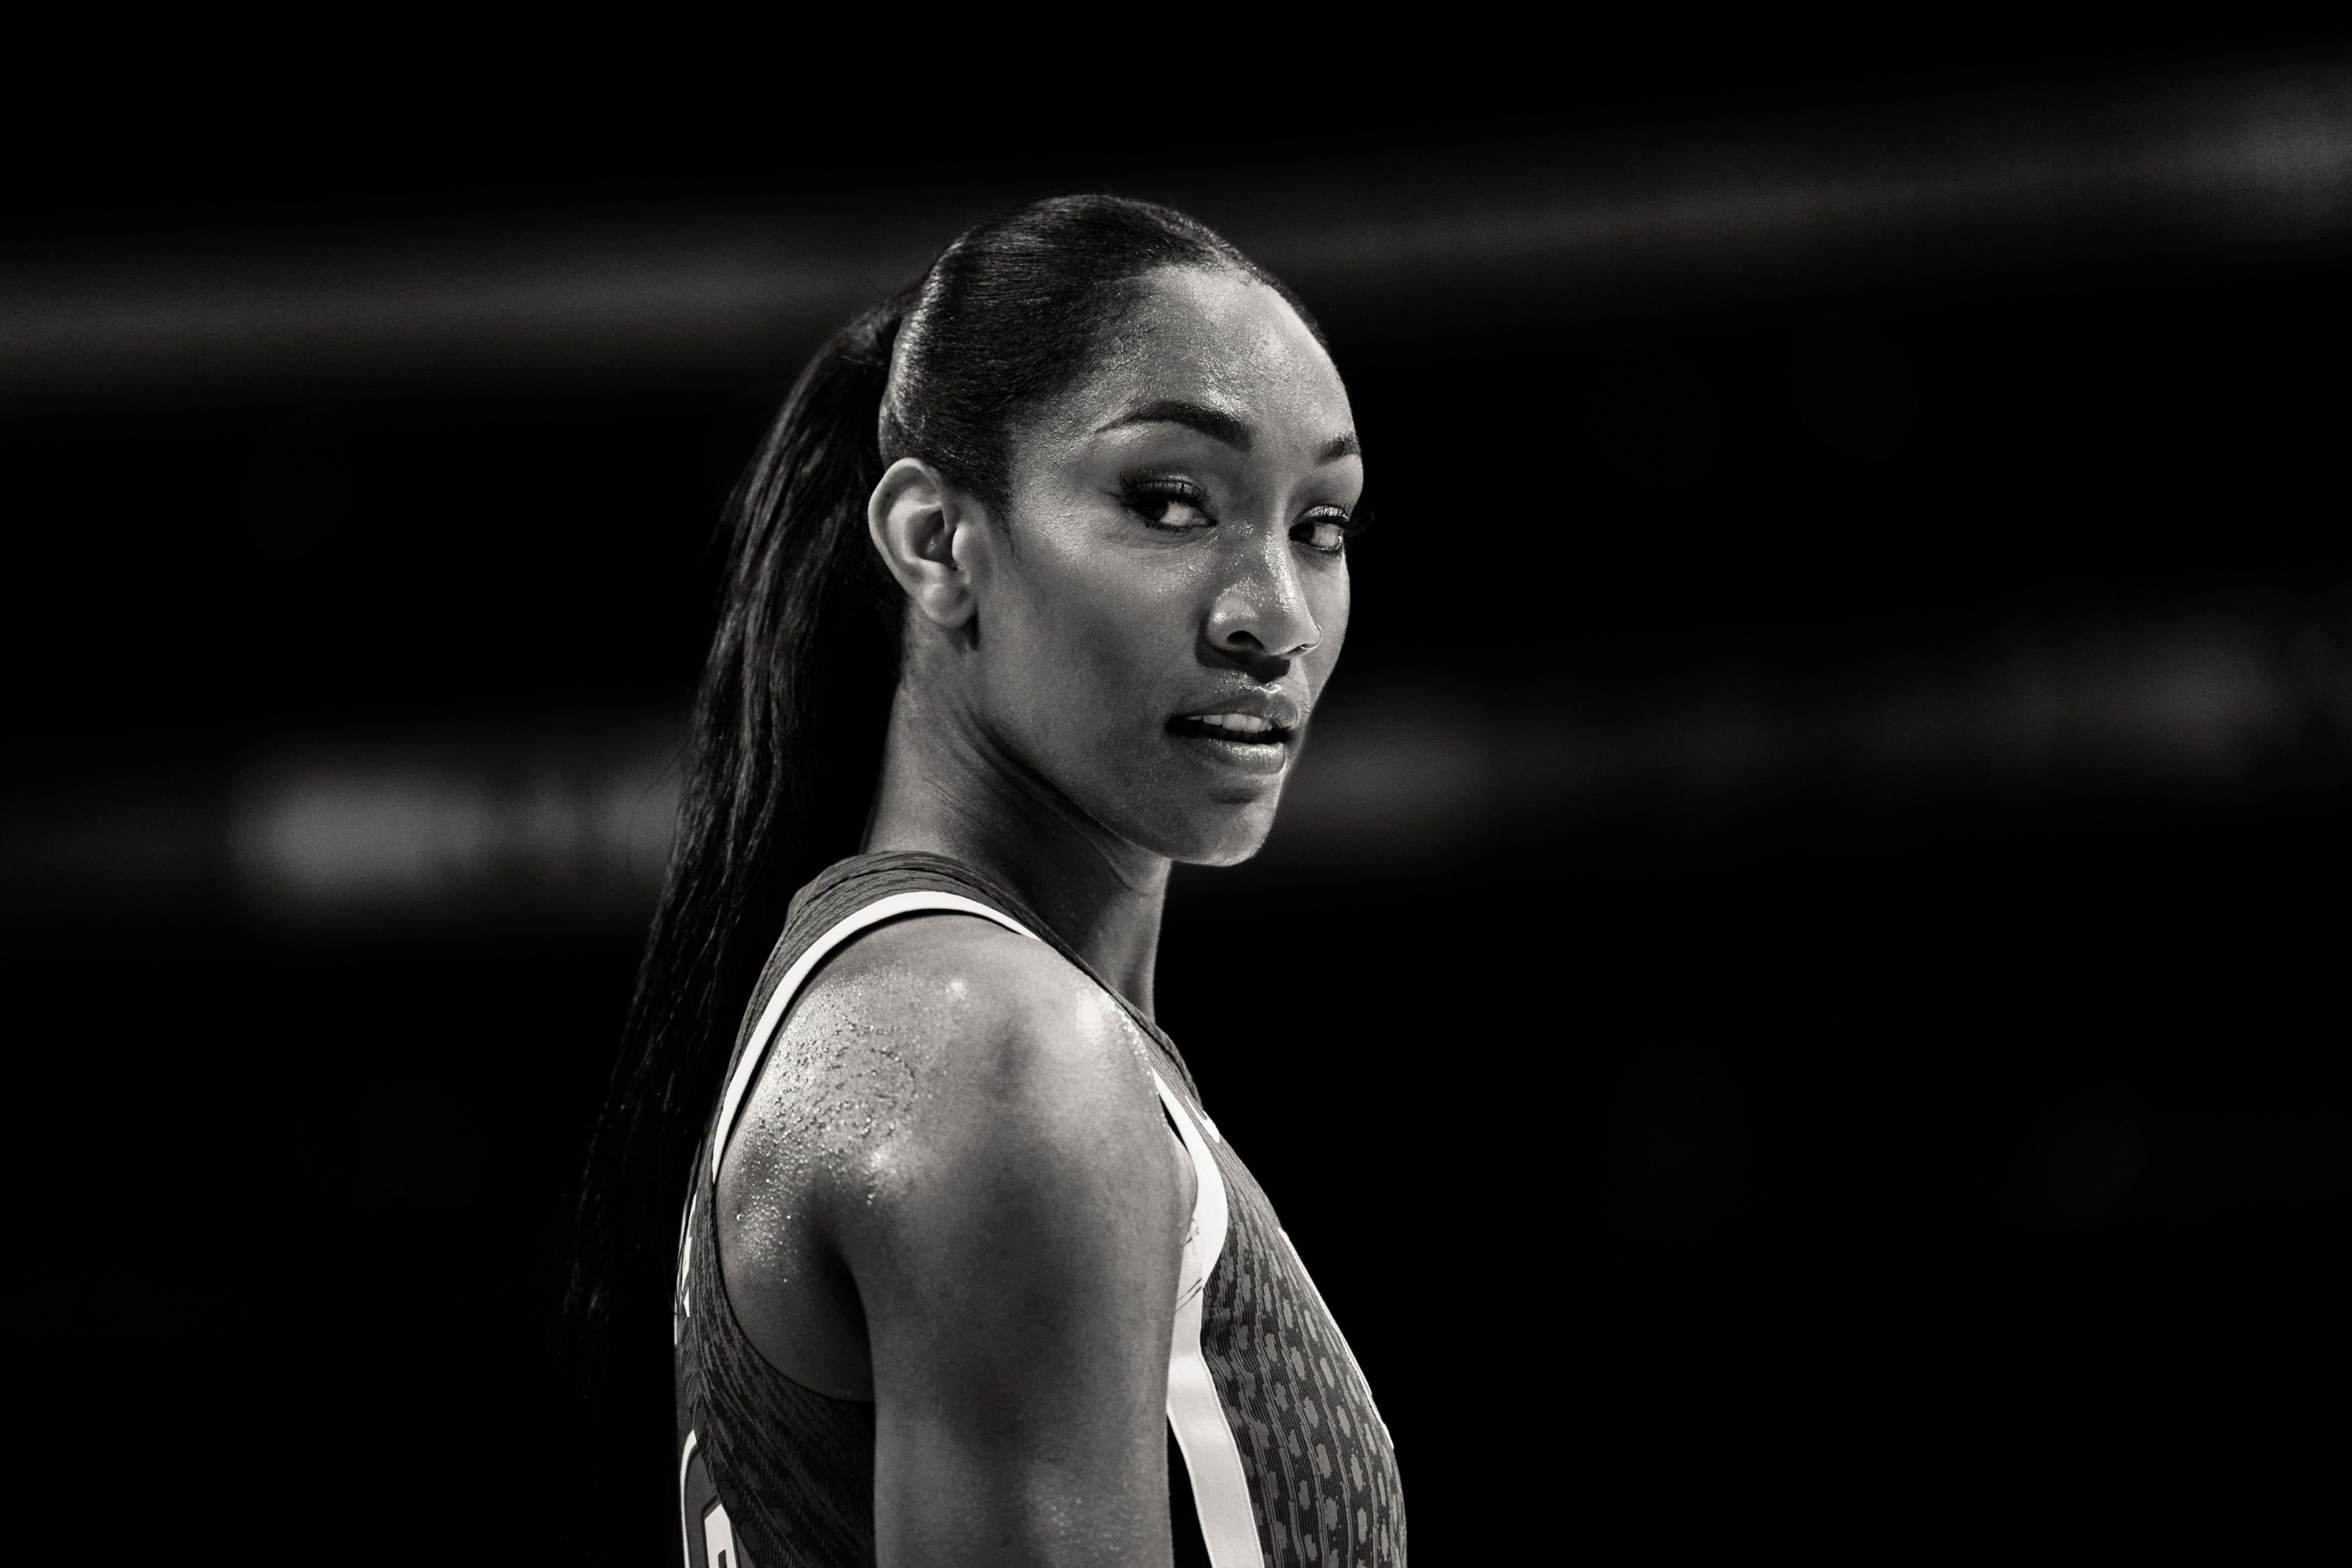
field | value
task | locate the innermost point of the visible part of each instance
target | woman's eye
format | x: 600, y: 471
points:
x: 1176, y: 505
x: 1325, y: 530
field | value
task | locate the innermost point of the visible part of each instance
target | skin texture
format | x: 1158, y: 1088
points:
x: 952, y: 1191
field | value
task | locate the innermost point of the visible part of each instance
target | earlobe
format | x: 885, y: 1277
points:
x: 913, y: 518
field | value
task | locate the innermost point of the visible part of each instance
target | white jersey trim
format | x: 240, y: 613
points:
x: 1219, y: 1487
x: 685, y: 1531
x: 781, y: 999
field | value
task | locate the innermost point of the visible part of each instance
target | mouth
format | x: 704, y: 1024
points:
x: 1248, y: 742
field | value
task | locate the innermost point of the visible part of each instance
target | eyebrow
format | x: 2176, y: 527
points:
x: 1220, y: 426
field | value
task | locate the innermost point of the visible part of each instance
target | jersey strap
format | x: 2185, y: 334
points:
x: 780, y: 1001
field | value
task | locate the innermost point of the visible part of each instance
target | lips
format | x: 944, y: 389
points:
x: 1234, y: 726
x: 1253, y: 728
x: 1252, y: 715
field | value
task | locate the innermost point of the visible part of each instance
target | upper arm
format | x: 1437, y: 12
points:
x: 1017, y: 1266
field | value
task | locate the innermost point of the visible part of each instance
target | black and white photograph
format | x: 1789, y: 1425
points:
x: 692, y: 874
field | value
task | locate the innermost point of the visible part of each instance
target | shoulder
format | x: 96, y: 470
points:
x: 944, y: 1054
x: 967, y: 1004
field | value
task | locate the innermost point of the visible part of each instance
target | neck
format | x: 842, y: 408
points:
x: 948, y: 790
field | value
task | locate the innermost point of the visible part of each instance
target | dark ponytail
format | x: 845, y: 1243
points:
x: 783, y: 753
x: 788, y: 727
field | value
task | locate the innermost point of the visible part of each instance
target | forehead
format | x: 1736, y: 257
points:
x: 1220, y: 339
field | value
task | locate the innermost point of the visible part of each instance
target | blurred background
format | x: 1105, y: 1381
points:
x: 1807, y: 947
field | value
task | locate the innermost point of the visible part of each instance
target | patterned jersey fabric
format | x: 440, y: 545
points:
x: 1321, y: 1469
x: 771, y: 1473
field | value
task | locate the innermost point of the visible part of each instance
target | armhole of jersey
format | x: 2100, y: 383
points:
x: 1211, y: 1458
x: 780, y: 1001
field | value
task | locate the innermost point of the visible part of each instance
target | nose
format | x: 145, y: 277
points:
x: 1262, y: 613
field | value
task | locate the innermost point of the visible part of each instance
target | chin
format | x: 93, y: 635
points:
x: 1226, y: 838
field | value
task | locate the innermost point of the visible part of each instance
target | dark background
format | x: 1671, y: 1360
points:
x: 1798, y: 995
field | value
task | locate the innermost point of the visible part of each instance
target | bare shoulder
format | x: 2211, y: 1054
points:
x: 938, y: 1051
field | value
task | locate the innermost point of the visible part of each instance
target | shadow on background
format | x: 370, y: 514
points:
x: 1800, y: 983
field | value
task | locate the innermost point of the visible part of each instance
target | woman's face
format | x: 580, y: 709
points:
x: 1175, y: 589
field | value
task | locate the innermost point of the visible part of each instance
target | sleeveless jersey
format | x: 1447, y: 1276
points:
x: 1277, y: 1456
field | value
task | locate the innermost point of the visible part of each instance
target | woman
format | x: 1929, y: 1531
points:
x: 964, y: 1274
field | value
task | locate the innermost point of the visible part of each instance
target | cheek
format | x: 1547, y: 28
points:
x: 1330, y: 601
x: 1089, y: 645
x: 1345, y: 593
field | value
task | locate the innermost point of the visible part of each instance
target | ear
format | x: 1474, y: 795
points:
x: 925, y: 528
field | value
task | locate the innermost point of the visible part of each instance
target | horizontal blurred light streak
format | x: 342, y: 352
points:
x: 1656, y: 217
x: 567, y: 826
x: 527, y: 304
x: 576, y: 834
x: 2157, y: 711
x: 1916, y: 191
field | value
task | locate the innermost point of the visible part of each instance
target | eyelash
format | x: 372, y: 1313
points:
x: 1150, y: 500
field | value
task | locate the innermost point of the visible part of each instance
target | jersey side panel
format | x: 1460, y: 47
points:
x: 793, y: 1468
x: 1321, y: 1467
